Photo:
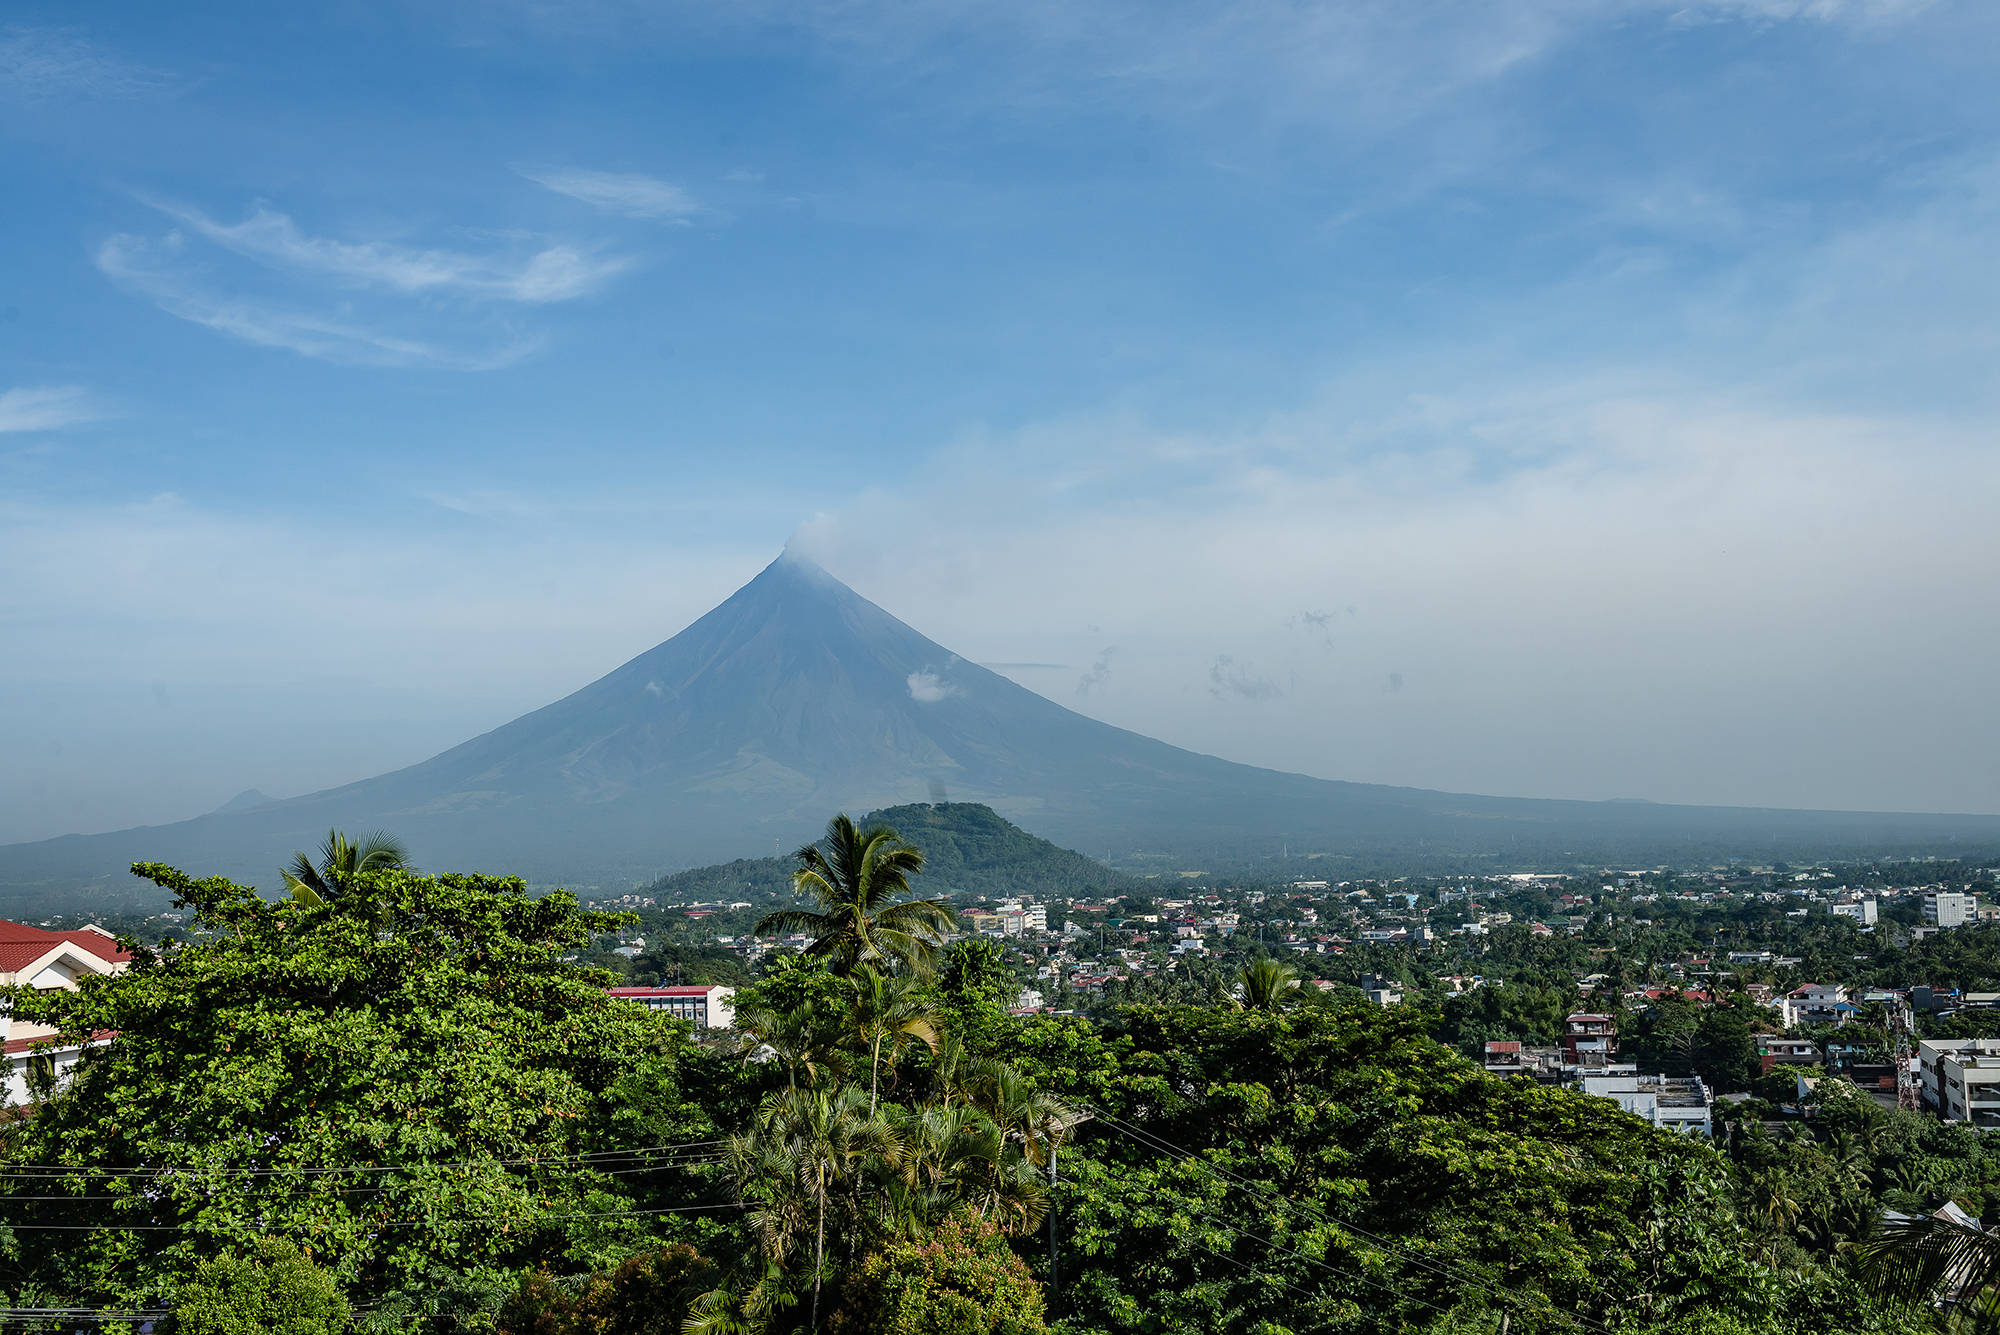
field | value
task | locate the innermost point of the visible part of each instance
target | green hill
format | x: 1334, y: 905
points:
x: 969, y: 849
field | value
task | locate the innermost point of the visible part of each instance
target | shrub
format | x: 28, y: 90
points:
x: 962, y: 1279
x: 646, y: 1294
x: 272, y: 1291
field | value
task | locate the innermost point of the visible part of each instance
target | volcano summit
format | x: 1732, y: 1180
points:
x: 797, y: 697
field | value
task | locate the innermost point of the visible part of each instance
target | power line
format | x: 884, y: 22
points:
x: 35, y: 1170
x: 8, y: 1197
x: 378, y: 1225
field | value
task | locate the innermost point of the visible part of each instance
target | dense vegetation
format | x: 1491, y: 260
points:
x: 969, y: 849
x: 394, y: 1106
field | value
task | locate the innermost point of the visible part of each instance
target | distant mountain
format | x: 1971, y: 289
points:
x: 968, y: 849
x: 796, y: 698
x: 247, y: 800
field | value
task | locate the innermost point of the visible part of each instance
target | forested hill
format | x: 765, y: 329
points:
x: 968, y: 848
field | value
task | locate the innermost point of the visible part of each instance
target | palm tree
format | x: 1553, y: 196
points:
x: 857, y: 877
x: 341, y: 861
x: 1780, y: 1204
x: 809, y: 1140
x: 887, y: 1008
x: 794, y: 1036
x: 1267, y: 984
x: 1939, y: 1261
x: 1026, y: 1116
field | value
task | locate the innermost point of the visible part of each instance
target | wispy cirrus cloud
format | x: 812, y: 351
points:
x: 45, y: 408
x: 553, y: 273
x: 39, y: 64
x: 160, y: 272
x: 630, y: 194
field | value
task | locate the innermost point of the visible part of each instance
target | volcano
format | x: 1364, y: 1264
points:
x: 796, y: 698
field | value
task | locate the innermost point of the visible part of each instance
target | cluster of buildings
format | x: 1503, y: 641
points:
x: 1587, y: 1060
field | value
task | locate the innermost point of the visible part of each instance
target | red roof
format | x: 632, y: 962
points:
x: 21, y: 945
x: 18, y: 1045
x: 697, y: 991
x: 1499, y: 1046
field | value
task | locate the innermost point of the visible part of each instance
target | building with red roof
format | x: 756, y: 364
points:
x: 709, y: 1006
x: 33, y: 957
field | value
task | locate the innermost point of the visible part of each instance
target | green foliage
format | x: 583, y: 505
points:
x: 271, y: 1291
x: 959, y: 1279
x: 975, y: 987
x: 646, y: 1294
x: 673, y: 964
x: 404, y: 1092
x: 1331, y: 1167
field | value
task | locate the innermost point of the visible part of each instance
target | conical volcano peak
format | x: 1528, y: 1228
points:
x: 794, y: 567
x: 797, y: 696
x: 795, y: 557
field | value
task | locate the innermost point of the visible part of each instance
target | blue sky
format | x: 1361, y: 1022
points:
x: 1560, y: 398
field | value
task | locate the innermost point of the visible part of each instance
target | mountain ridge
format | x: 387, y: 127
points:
x: 796, y: 697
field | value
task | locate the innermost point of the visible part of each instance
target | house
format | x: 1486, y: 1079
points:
x: 1815, y: 1003
x: 1503, y: 1057
x: 1774, y: 1052
x: 1678, y: 1104
x: 1382, y: 991
x: 705, y: 1007
x: 1589, y: 1040
x: 32, y: 957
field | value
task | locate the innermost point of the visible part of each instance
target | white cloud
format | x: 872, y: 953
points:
x: 45, y: 409
x: 160, y: 273
x: 551, y: 274
x: 40, y: 64
x: 620, y: 192
x: 928, y: 688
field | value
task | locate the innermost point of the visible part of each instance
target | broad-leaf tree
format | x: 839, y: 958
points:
x: 422, y: 1101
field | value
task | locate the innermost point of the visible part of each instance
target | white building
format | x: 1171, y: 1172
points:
x: 31, y: 957
x: 1863, y: 911
x: 1667, y: 1101
x: 1960, y: 1078
x: 1815, y: 1003
x: 1948, y: 908
x: 705, y: 1007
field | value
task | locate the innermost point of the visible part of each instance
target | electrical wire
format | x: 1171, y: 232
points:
x: 32, y: 1171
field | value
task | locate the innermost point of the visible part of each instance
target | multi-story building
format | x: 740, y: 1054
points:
x: 31, y: 957
x: 1960, y: 1078
x: 705, y: 1007
x: 1589, y: 1040
x: 1679, y: 1104
x: 1949, y: 908
x: 1773, y: 1052
x: 1865, y: 911
x: 1815, y: 1003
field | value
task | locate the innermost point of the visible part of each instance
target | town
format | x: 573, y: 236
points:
x: 1689, y: 998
